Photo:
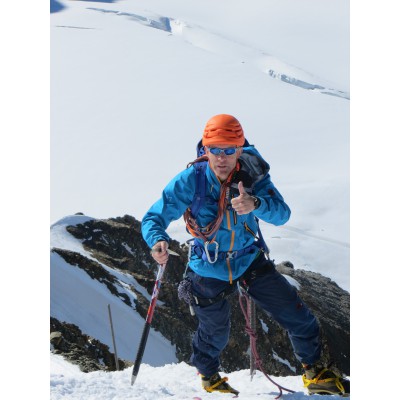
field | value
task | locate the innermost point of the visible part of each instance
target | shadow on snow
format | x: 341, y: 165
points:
x: 56, y: 6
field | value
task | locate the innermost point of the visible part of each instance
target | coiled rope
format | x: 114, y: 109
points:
x: 207, y: 232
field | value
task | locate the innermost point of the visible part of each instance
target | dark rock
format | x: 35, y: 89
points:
x: 80, y: 349
x: 331, y: 306
x: 117, y: 242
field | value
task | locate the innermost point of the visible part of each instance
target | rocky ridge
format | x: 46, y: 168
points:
x: 117, y: 243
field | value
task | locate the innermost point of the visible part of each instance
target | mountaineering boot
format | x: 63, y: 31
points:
x: 217, y: 384
x: 320, y: 380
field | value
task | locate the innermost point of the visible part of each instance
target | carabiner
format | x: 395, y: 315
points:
x: 208, y: 254
x: 189, y: 255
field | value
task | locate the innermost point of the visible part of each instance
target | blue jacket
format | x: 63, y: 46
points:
x: 236, y: 231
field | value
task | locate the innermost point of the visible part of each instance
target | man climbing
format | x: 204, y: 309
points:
x: 221, y: 195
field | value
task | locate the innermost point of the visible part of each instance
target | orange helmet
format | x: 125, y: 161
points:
x: 223, y: 129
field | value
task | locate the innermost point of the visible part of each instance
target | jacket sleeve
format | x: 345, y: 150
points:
x: 273, y: 208
x: 175, y: 198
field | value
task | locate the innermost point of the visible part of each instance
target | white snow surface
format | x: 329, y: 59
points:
x: 132, y: 86
x: 172, y: 381
x: 78, y: 299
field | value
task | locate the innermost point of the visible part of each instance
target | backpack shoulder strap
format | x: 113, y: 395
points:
x: 261, y: 239
x: 200, y: 191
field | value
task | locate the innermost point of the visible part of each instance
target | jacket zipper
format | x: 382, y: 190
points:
x: 228, y: 262
x: 249, y: 230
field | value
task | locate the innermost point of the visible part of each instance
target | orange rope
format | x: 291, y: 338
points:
x: 206, y: 232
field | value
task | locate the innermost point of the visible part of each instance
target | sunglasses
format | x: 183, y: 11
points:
x: 217, y: 151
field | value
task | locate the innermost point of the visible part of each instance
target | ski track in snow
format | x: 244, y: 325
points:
x: 311, y: 235
x: 72, y: 27
x: 215, y: 43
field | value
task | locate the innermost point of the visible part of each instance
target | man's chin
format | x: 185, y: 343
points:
x: 222, y: 176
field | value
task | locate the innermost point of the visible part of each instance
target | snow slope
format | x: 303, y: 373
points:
x: 133, y: 84
x: 172, y: 381
x: 78, y: 299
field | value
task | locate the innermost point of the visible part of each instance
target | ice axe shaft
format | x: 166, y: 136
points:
x: 147, y: 324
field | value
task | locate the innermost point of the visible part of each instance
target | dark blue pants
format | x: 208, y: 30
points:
x: 273, y: 293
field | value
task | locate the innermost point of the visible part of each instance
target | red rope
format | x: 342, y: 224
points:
x: 253, y: 335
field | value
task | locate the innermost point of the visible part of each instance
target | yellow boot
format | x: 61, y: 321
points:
x: 217, y: 384
x: 320, y: 380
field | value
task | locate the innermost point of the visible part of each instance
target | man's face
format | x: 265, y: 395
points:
x: 223, y: 164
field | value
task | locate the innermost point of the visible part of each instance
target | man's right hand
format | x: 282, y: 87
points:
x: 159, y: 252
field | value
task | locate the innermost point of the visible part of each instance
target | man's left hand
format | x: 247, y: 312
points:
x: 244, y: 203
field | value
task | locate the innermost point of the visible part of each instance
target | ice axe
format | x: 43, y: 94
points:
x: 149, y: 317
